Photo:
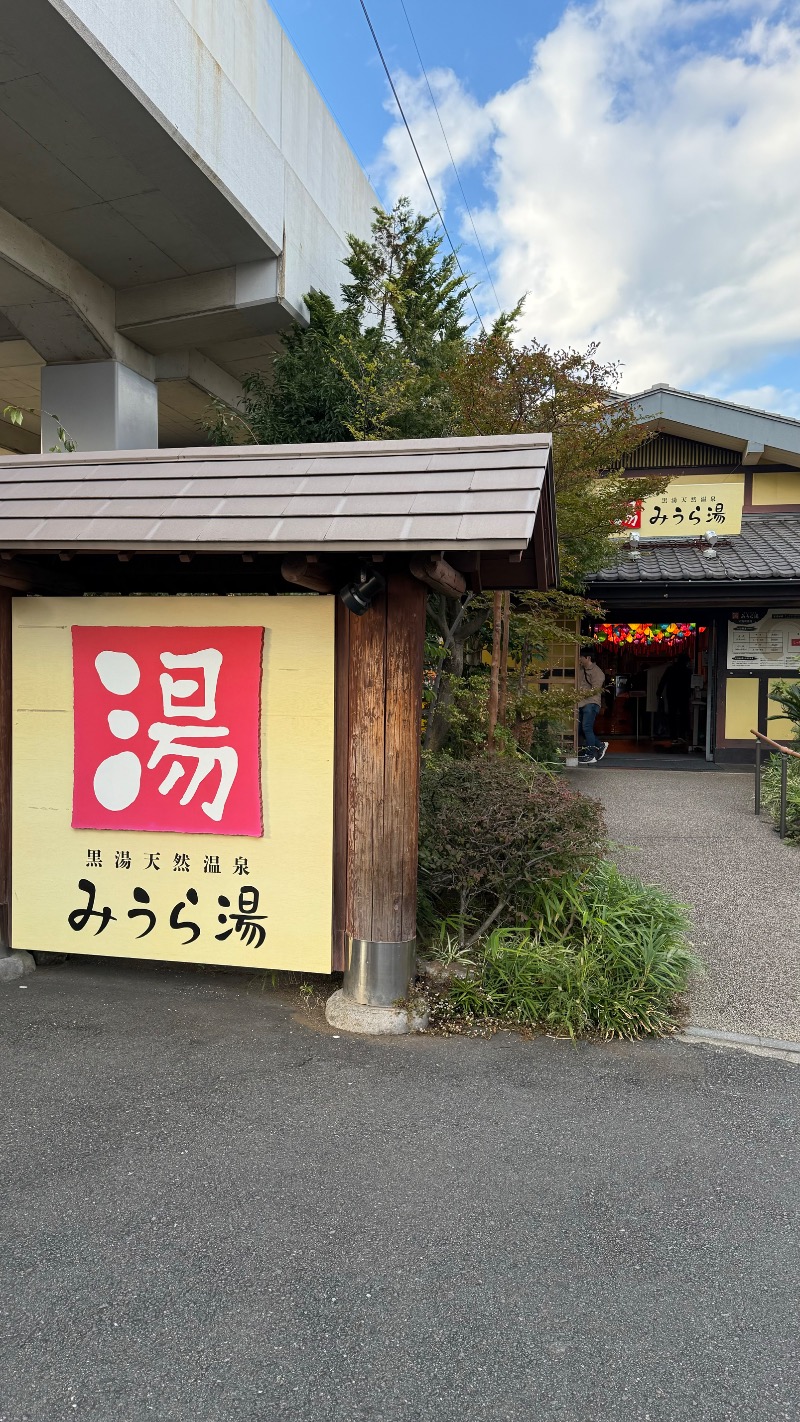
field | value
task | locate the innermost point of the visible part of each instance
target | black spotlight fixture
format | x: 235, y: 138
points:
x: 361, y: 595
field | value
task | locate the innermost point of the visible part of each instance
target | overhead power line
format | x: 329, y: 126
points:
x: 449, y: 150
x: 434, y: 200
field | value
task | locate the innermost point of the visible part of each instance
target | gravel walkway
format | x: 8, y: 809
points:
x: 697, y: 836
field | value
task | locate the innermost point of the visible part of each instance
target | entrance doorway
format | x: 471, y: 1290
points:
x: 656, y: 696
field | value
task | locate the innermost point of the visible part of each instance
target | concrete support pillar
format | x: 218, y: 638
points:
x: 102, y: 405
x: 379, y: 697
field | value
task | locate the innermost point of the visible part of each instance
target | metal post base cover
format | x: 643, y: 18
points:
x: 378, y: 974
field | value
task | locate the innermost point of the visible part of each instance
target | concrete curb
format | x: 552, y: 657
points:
x: 16, y: 965
x: 767, y: 1046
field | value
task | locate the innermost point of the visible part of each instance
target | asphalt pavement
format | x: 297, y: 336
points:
x: 696, y: 835
x: 214, y: 1207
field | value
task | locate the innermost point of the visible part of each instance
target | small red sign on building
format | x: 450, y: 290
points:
x: 167, y: 729
x: 633, y: 519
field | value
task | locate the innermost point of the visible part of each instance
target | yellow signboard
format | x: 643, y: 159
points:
x: 173, y: 778
x: 689, y: 509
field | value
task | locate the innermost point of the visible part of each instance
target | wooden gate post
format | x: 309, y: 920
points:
x: 5, y: 769
x: 379, y: 698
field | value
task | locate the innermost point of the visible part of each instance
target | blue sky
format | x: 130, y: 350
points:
x: 336, y: 47
x: 632, y: 165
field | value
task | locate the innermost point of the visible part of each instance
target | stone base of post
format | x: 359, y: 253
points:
x: 347, y: 1015
x: 375, y: 997
x: 16, y: 965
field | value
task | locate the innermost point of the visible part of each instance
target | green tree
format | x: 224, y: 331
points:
x: 405, y: 287
x: 374, y: 368
x: 395, y: 360
x: 503, y: 387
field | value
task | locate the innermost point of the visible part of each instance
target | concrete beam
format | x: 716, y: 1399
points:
x: 211, y: 307
x: 63, y: 311
x: 753, y: 453
x: 238, y: 108
x: 183, y: 297
x: 18, y: 439
x: 201, y: 372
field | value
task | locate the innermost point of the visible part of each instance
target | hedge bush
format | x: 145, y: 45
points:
x: 491, y: 830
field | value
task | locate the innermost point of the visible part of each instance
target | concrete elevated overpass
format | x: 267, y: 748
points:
x: 171, y: 183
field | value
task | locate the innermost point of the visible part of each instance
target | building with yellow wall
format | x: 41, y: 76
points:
x: 710, y: 567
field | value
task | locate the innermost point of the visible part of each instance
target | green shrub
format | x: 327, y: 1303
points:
x: 771, y: 794
x: 786, y: 694
x: 491, y: 829
x: 602, y: 953
x: 535, y: 719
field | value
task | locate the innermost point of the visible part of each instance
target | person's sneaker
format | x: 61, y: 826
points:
x: 602, y: 750
x: 585, y: 758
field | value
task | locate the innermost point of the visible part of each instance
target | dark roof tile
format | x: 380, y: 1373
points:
x: 767, y: 549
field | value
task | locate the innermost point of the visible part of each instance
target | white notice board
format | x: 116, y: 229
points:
x: 764, y: 641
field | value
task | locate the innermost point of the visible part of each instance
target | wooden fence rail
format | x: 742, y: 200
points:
x: 785, y: 753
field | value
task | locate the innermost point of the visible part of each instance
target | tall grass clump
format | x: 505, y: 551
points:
x: 602, y: 953
x: 771, y: 794
x: 785, y: 694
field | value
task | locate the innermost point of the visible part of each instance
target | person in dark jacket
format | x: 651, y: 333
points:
x: 674, y: 698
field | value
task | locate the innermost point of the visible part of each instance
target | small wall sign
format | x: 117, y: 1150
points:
x: 688, y: 511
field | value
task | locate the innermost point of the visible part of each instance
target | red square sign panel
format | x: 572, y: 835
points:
x: 167, y: 729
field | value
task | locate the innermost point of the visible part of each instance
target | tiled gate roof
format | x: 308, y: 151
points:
x: 392, y: 495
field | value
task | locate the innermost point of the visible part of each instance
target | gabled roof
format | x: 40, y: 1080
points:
x: 758, y: 435
x: 397, y: 495
x: 766, y: 550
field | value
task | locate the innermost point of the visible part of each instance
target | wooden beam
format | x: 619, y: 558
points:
x: 19, y: 575
x: 300, y: 570
x: 753, y: 453
x: 11, y: 577
x: 434, y: 570
x: 394, y: 894
x: 469, y: 560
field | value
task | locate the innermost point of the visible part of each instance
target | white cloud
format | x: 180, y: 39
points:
x: 643, y: 181
x: 772, y: 398
x: 467, y: 125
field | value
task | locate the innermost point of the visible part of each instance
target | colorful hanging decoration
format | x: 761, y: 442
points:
x: 644, y: 634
